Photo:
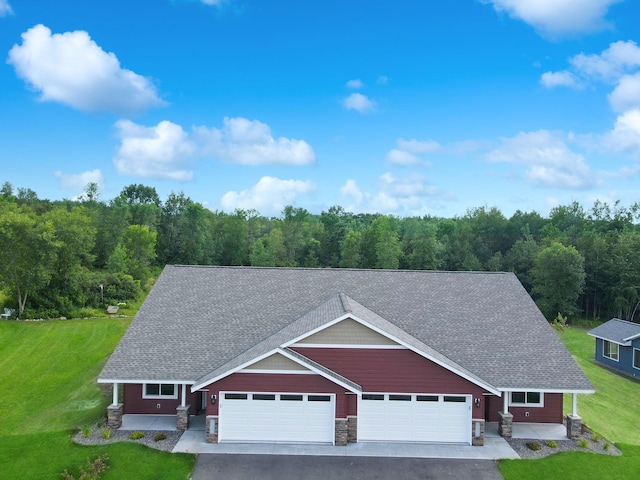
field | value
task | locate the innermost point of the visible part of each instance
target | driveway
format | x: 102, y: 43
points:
x: 289, y: 467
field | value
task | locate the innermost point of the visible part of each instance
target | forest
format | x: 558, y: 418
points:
x: 64, y: 258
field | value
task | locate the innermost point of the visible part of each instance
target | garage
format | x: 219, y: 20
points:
x: 276, y: 417
x: 414, y: 418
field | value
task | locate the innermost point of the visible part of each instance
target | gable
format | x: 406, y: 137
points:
x: 276, y: 362
x: 347, y: 332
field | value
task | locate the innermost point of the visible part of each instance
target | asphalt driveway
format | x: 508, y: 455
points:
x: 289, y: 467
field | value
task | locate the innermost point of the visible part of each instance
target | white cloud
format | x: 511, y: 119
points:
x: 79, y: 180
x: 418, y: 147
x: 382, y: 80
x: 5, y: 8
x: 407, y: 151
x: 617, y: 60
x: 72, y: 69
x: 560, y: 79
x: 154, y: 152
x: 557, y: 17
x: 400, y: 157
x: 355, y: 84
x: 250, y: 142
x: 626, y: 95
x: 396, y: 195
x: 269, y: 196
x: 360, y: 103
x: 212, y: 2
x: 625, y: 135
x: 549, y: 160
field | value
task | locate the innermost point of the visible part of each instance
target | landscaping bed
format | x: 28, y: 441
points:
x: 588, y: 442
x: 164, y: 440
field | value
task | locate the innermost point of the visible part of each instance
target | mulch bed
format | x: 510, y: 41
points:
x: 96, y: 437
x: 588, y: 442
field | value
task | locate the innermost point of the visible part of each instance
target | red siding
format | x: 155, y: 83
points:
x: 265, y: 382
x: 550, y: 413
x: 135, y: 404
x: 390, y: 370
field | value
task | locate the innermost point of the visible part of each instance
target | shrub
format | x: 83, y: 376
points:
x: 86, y: 430
x: 582, y: 443
x: 606, y: 446
x: 106, y: 433
x: 534, y: 446
x: 551, y: 444
x: 559, y: 323
x: 160, y: 436
x: 137, y: 435
x: 92, y: 472
x: 595, y: 437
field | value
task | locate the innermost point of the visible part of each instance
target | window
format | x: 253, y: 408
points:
x: 426, y: 398
x: 291, y: 398
x: 610, y: 350
x: 636, y: 358
x: 527, y: 399
x: 400, y: 398
x: 319, y: 398
x: 159, y: 390
x: 372, y: 396
x: 235, y: 396
x: 449, y: 398
x: 263, y: 396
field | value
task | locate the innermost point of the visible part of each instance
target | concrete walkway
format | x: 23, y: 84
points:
x: 495, y: 447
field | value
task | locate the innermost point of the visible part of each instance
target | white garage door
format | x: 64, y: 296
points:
x: 414, y: 418
x: 276, y: 417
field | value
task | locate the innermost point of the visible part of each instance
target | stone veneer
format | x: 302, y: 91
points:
x: 182, y: 422
x: 574, y: 426
x: 477, y: 432
x: 211, y: 429
x: 114, y: 415
x: 352, y: 429
x: 342, y: 436
x: 505, y: 425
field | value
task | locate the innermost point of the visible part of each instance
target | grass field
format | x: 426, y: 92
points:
x: 613, y: 411
x: 47, y: 373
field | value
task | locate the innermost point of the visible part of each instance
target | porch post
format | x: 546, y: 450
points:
x: 183, y: 402
x: 574, y: 410
x: 505, y: 402
x: 505, y: 425
x: 115, y: 394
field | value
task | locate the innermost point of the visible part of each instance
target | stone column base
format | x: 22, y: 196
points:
x: 477, y: 432
x: 352, y: 429
x: 574, y: 426
x: 182, y: 414
x: 342, y: 435
x: 505, y: 425
x: 211, y: 430
x: 114, y: 415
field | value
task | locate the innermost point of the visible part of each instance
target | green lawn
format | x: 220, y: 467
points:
x: 47, y: 373
x: 613, y: 411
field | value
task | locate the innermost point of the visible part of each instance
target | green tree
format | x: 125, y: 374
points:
x: 139, y: 244
x: 269, y: 250
x: 559, y: 277
x: 28, y: 250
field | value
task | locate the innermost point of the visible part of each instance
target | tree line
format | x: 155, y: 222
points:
x: 58, y: 258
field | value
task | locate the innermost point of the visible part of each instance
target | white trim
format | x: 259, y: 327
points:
x: 183, y: 400
x: 525, y: 403
x: 625, y: 341
x: 617, y: 359
x: 400, y: 342
x: 160, y: 396
x: 631, y: 338
x: 276, y: 372
x: 115, y: 393
x: 574, y: 404
x: 114, y: 380
x: 544, y: 390
x: 347, y: 345
x: 633, y: 358
x: 284, y: 353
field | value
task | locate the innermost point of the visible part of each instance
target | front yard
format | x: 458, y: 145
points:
x: 613, y: 411
x: 47, y: 373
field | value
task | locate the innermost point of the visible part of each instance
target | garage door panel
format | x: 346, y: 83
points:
x: 426, y: 418
x: 288, y: 418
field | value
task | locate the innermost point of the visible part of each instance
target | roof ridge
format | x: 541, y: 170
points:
x: 346, y: 304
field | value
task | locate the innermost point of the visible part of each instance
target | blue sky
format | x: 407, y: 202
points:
x: 404, y: 108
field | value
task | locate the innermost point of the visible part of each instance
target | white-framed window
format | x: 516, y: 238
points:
x: 526, y: 399
x: 610, y: 350
x: 159, y: 390
x: 636, y: 358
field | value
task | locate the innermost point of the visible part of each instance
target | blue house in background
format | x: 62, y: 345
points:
x: 618, y: 346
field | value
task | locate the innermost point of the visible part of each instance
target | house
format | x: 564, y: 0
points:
x: 618, y: 346
x: 339, y: 355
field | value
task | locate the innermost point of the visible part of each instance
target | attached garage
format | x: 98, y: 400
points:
x: 276, y: 417
x: 414, y: 418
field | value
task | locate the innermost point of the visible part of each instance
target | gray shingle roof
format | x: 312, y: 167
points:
x: 197, y: 320
x: 616, y: 330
